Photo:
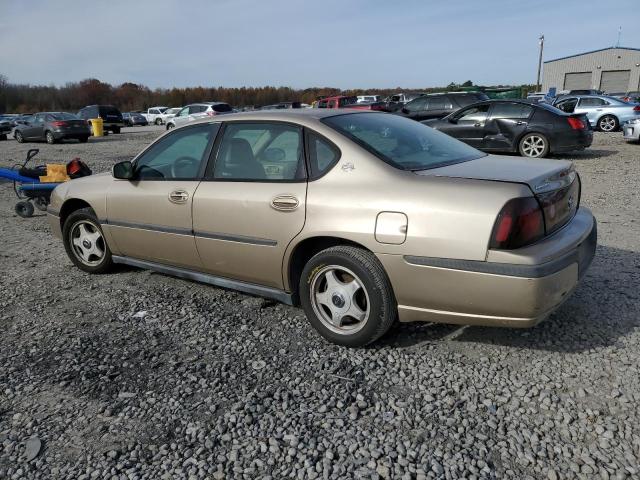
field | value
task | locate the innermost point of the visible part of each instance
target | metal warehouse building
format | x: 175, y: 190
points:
x: 614, y: 69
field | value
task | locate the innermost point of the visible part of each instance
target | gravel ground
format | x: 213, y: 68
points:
x: 137, y: 375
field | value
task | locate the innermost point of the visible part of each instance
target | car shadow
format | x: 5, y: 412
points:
x: 587, y: 154
x: 603, y: 310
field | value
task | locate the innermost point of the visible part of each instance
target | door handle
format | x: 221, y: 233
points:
x: 285, y: 203
x: 178, y: 196
x: 519, y: 123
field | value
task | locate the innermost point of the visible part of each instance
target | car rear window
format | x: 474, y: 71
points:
x: 64, y: 116
x: 401, y: 142
x: 108, y: 110
x: 221, y: 108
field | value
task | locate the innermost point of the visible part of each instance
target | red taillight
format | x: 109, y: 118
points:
x: 212, y: 113
x: 519, y: 223
x: 58, y: 124
x: 636, y: 108
x: 576, y: 123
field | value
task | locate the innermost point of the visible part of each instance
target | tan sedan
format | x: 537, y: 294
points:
x: 361, y: 218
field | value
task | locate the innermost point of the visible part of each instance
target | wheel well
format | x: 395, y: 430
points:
x: 303, y: 253
x: 70, y: 206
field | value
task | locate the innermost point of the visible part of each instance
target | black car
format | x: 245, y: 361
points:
x: 6, y: 125
x: 438, y: 105
x: 110, y: 115
x: 132, y: 119
x: 396, y: 101
x: 533, y: 130
x: 52, y: 127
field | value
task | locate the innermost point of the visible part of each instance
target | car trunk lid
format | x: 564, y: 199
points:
x: 554, y: 183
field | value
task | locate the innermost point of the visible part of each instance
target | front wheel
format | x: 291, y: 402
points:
x: 116, y: 130
x: 85, y: 243
x: 534, y: 145
x: 608, y: 123
x: 170, y: 126
x: 41, y: 203
x: 158, y: 121
x: 3, y: 137
x: 347, y: 296
x: 83, y: 139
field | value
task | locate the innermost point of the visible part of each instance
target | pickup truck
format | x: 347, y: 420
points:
x: 343, y: 101
x: 153, y: 115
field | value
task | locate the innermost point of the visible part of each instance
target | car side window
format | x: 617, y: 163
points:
x: 323, y: 155
x: 183, y: 112
x: 267, y: 152
x: 516, y: 111
x: 592, y: 102
x: 417, y: 104
x: 39, y: 119
x: 178, y: 155
x: 439, y: 103
x: 473, y: 114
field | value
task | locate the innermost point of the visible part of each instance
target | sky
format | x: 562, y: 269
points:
x: 301, y: 43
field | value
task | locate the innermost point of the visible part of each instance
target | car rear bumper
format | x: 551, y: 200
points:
x: 71, y: 133
x: 518, y: 293
x: 579, y: 141
x: 631, y: 131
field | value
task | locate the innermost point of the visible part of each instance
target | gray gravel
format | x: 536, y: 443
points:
x: 136, y: 375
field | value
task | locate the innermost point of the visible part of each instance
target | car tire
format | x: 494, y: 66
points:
x: 19, y: 137
x: 41, y: 203
x: 116, y: 130
x: 85, y: 243
x: 49, y: 138
x: 158, y: 121
x: 534, y: 145
x: 24, y: 209
x: 3, y: 137
x: 347, y: 296
x: 608, y: 123
x: 170, y: 126
x: 83, y: 139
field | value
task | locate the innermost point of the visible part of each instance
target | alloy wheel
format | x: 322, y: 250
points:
x: 87, y: 243
x: 607, y: 124
x: 534, y: 146
x: 339, y: 299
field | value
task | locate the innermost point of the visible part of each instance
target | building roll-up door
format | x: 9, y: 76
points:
x: 615, y: 81
x: 577, y: 81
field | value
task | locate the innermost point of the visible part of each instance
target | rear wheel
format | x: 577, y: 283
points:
x: 41, y: 203
x: 85, y: 243
x: 24, y: 209
x: 83, y: 139
x: 608, y: 123
x: 50, y: 138
x: 3, y: 137
x: 158, y: 121
x: 534, y: 145
x: 347, y: 296
x: 116, y: 130
x: 170, y: 126
x: 19, y: 137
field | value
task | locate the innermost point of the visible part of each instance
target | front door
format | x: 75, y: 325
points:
x: 252, y: 203
x: 149, y: 217
x: 468, y: 125
x: 35, y: 128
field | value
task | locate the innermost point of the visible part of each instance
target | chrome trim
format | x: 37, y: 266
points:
x: 236, y: 238
x: 147, y: 226
x: 249, y: 288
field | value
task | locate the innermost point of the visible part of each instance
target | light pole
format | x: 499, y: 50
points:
x: 540, y: 62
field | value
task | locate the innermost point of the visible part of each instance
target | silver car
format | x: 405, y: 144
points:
x: 198, y: 111
x: 631, y: 130
x: 605, y: 113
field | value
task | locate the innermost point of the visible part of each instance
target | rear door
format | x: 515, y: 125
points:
x: 438, y: 106
x: 252, y: 203
x: 506, y: 123
x: 592, y: 107
x: 149, y: 217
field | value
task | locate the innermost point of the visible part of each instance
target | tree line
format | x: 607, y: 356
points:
x: 26, y: 98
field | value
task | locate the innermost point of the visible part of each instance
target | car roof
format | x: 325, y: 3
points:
x: 291, y: 114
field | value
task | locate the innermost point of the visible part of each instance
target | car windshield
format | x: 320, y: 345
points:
x: 403, y: 143
x: 64, y: 116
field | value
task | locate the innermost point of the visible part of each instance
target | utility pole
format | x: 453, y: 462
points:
x: 619, y: 35
x: 540, y: 62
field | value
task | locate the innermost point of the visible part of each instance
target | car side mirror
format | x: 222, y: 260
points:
x: 123, y: 170
x: 452, y: 120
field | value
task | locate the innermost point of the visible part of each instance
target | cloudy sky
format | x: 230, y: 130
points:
x: 300, y: 43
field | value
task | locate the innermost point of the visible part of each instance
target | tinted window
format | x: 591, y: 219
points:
x: 511, y: 110
x: 343, y: 102
x: 197, y: 108
x: 322, y: 104
x: 592, y: 102
x: 567, y: 105
x: 473, y: 114
x: 439, y: 103
x: 322, y: 155
x: 178, y: 155
x: 222, y: 107
x: 38, y: 118
x: 109, y: 110
x: 417, y: 104
x: 260, y: 151
x: 402, y: 142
